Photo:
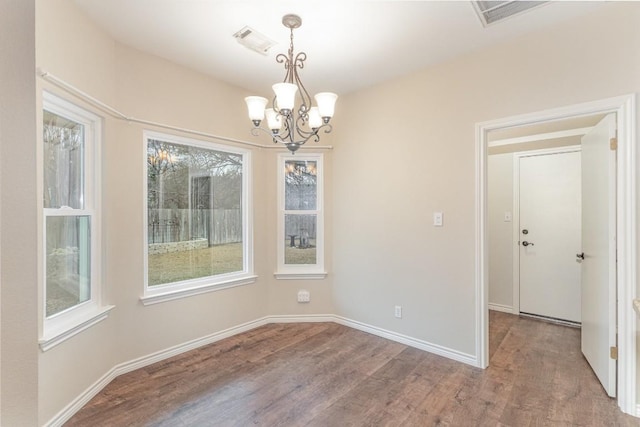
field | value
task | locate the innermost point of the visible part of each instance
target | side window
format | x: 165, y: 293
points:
x: 197, y: 233
x: 70, y: 218
x: 301, y: 217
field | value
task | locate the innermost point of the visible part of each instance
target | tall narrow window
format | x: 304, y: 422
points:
x: 71, y: 226
x: 301, y: 220
x: 198, y: 231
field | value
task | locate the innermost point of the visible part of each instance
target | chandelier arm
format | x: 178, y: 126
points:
x: 255, y: 131
x: 300, y: 122
x: 281, y: 58
x: 288, y: 128
x: 287, y: 139
x: 305, y: 105
x: 327, y: 128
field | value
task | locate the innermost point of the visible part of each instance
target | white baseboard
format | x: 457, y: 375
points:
x: 412, y: 342
x: 65, y: 414
x: 500, y: 307
x: 68, y: 411
x: 294, y: 318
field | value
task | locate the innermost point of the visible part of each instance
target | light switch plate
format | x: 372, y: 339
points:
x: 507, y: 217
x: 437, y: 219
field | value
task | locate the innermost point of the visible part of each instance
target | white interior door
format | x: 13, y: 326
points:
x: 549, y: 235
x: 599, y: 249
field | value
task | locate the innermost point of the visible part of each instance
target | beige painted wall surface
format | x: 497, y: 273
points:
x: 391, y: 168
x: 406, y: 149
x: 71, y: 48
x: 500, y: 200
x: 150, y: 88
x: 18, y: 289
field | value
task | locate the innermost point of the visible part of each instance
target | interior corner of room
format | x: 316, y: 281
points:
x: 492, y: 185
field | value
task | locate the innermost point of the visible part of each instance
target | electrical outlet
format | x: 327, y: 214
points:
x: 304, y: 296
x: 398, y: 312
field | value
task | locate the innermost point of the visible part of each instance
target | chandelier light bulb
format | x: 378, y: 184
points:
x: 256, y: 106
x: 326, y: 104
x: 274, y: 120
x: 285, y: 96
x: 315, y: 120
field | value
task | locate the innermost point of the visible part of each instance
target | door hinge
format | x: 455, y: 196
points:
x: 613, y: 144
x: 613, y: 353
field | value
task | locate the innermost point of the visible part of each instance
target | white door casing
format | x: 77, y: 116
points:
x: 599, y: 248
x: 626, y: 245
x: 549, y: 213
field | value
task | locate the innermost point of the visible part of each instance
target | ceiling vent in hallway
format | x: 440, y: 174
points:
x: 491, y: 12
x: 253, y: 40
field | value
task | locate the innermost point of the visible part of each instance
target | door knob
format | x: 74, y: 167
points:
x: 580, y: 255
x: 525, y: 243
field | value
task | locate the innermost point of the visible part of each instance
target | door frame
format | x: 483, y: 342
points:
x: 625, y: 109
x: 515, y: 304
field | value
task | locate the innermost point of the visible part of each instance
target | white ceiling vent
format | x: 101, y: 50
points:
x: 491, y: 12
x: 253, y: 40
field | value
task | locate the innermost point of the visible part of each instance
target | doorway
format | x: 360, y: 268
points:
x: 624, y: 107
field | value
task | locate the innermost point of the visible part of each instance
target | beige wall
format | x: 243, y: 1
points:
x: 70, y: 48
x: 405, y: 149
x: 18, y: 239
x: 500, y: 200
x: 150, y: 88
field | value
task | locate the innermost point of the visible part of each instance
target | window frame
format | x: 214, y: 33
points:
x: 185, y: 288
x: 61, y: 326
x: 301, y: 271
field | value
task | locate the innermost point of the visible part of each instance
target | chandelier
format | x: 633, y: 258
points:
x: 292, y: 120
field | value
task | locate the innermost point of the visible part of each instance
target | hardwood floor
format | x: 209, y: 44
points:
x: 324, y: 374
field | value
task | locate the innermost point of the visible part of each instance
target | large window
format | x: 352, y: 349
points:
x: 300, y: 248
x: 71, y: 225
x: 197, y: 217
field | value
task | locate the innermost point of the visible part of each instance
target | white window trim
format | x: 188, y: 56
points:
x: 301, y: 271
x: 83, y: 318
x: 186, y: 288
x: 62, y: 326
x: 300, y: 276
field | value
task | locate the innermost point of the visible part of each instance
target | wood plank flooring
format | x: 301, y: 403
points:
x: 324, y: 374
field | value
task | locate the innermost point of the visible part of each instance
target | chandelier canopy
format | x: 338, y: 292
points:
x: 291, y: 119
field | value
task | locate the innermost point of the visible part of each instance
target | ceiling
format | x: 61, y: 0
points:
x: 350, y: 44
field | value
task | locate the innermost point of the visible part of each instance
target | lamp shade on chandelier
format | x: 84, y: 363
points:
x: 291, y: 118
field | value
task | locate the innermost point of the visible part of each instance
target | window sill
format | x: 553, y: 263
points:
x: 58, y: 336
x: 299, y: 275
x: 159, y: 296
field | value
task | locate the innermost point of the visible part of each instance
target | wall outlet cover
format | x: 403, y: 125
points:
x: 304, y: 296
x: 398, y: 311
